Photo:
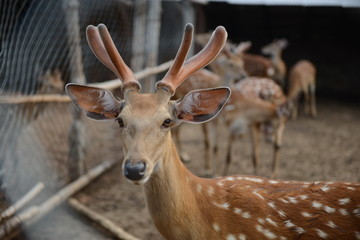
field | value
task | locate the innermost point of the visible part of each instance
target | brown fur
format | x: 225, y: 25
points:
x: 302, y: 80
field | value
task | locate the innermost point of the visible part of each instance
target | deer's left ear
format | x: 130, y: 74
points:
x: 99, y: 104
x: 201, y: 105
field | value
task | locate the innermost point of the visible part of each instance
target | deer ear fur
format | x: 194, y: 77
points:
x: 99, y: 104
x: 201, y: 105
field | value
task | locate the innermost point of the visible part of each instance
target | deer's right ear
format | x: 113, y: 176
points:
x: 99, y: 104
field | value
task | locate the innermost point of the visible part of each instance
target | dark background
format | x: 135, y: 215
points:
x: 327, y: 36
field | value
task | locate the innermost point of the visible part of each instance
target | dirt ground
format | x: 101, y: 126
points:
x: 325, y: 148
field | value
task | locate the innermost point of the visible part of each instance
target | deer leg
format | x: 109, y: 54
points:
x: 295, y: 109
x: 306, y: 101
x: 176, y: 137
x: 277, y: 145
x: 313, y: 100
x: 255, y: 137
x: 228, y: 153
x: 208, y: 159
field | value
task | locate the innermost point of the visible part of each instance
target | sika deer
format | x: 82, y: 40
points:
x: 184, y: 206
x: 255, y: 65
x: 274, y: 50
x: 226, y: 69
x: 256, y: 103
x: 302, y: 80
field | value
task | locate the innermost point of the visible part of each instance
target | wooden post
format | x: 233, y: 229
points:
x: 153, y: 23
x: 76, y: 136
x: 137, y: 51
x: 188, y: 13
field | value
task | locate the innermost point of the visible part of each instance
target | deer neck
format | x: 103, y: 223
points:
x: 276, y: 58
x: 169, y: 197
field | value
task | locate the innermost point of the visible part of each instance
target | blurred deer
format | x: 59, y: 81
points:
x: 255, y: 104
x: 274, y: 50
x: 184, y: 206
x: 226, y: 69
x: 302, y: 80
x: 255, y: 65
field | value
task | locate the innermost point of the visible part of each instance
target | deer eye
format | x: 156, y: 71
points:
x: 166, y: 123
x: 121, y: 122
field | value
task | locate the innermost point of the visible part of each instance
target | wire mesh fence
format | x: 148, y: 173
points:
x: 37, y: 52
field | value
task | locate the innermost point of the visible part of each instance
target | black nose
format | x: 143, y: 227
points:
x: 134, y: 170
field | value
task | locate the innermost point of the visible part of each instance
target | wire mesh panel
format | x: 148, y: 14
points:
x: 37, y: 51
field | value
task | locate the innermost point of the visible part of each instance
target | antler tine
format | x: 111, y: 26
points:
x: 207, y: 54
x: 170, y: 79
x: 200, y: 60
x: 104, y: 49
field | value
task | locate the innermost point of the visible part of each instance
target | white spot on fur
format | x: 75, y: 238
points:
x: 272, y: 205
x: 242, y: 237
x: 351, y: 188
x: 289, y: 224
x: 242, y: 213
x: 261, y: 221
x: 219, y: 183
x: 210, y: 191
x: 316, y: 204
x: 266, y: 232
x: 325, y: 188
x: 303, y: 197
x: 321, y: 233
x: 292, y: 200
x: 273, y: 182
x: 270, y: 221
x: 357, y: 211
x: 216, y: 227
x: 258, y: 194
x: 223, y: 206
x: 329, y: 209
x: 230, y: 237
x: 331, y: 224
x: 246, y: 215
x: 199, y: 188
x: 299, y: 230
x: 237, y: 211
x: 283, y: 200
x: 343, y: 211
x: 282, y: 213
x: 344, y: 201
x: 283, y: 238
x: 230, y: 178
x: 258, y: 180
x: 305, y: 214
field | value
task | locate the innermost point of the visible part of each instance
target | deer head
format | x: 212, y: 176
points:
x: 145, y: 120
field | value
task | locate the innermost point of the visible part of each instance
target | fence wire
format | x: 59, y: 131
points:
x: 36, y: 49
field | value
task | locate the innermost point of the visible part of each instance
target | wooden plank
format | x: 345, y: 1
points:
x: 110, y: 85
x: 10, y: 211
x: 101, y: 220
x: 33, y: 214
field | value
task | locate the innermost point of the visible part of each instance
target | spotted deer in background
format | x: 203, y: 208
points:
x: 256, y: 104
x: 225, y: 69
x: 184, y: 206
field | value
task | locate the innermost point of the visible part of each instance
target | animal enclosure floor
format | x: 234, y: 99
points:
x: 324, y: 148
